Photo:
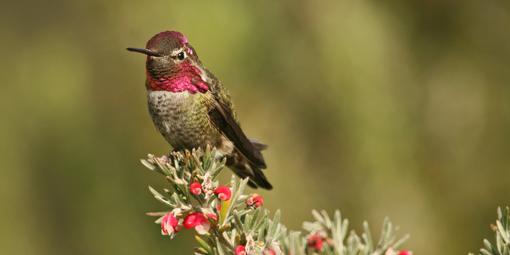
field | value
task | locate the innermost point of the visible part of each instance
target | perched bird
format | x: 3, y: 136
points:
x: 191, y: 108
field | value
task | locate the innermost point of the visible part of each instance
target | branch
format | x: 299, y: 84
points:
x: 228, y: 221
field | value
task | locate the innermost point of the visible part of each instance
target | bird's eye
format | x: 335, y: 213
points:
x: 181, y: 55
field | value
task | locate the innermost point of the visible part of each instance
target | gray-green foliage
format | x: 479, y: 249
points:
x: 239, y: 224
x: 502, y: 229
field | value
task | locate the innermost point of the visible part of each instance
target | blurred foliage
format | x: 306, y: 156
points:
x: 501, y: 245
x: 379, y: 108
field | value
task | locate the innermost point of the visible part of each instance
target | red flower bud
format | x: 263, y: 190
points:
x: 195, y: 188
x: 169, y: 224
x: 223, y: 193
x: 198, y: 221
x: 255, y: 200
x: 315, y: 242
x: 240, y: 250
x: 194, y: 219
x: 404, y: 252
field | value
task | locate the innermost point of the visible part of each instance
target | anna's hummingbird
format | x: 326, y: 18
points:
x: 191, y: 108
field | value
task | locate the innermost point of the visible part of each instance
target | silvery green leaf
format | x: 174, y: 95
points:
x: 238, y: 222
x: 238, y: 190
x: 159, y: 197
x: 502, y: 232
x: 487, y: 244
x: 203, y: 244
x: 148, y: 164
x: 326, y: 220
x: 401, y: 241
x: 317, y: 216
x: 260, y: 221
x: 200, y: 251
x: 229, y: 239
x: 367, y: 236
x: 220, y: 248
x: 485, y: 252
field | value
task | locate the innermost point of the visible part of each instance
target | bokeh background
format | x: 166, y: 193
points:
x: 379, y: 108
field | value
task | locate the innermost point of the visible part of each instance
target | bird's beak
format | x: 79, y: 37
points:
x: 145, y: 51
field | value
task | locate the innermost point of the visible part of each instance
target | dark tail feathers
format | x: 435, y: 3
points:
x: 260, y: 179
x: 243, y: 168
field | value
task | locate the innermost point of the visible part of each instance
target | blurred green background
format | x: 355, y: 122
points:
x: 379, y: 108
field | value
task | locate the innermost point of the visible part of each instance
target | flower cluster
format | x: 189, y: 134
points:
x: 169, y: 224
x: 227, y: 221
x: 199, y: 219
x: 315, y: 241
x: 255, y: 200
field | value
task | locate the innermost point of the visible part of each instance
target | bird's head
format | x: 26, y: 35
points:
x: 170, y: 57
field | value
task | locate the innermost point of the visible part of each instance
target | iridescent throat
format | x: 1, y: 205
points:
x: 186, y: 78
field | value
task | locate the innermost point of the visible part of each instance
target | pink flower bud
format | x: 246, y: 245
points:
x: 194, y: 219
x: 240, y: 250
x: 255, y: 200
x: 198, y: 221
x: 315, y: 241
x: 169, y: 224
x: 212, y: 216
x: 269, y: 252
x: 223, y: 193
x: 405, y: 252
x: 195, y: 188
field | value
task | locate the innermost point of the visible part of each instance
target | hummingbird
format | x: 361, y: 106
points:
x: 192, y: 109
